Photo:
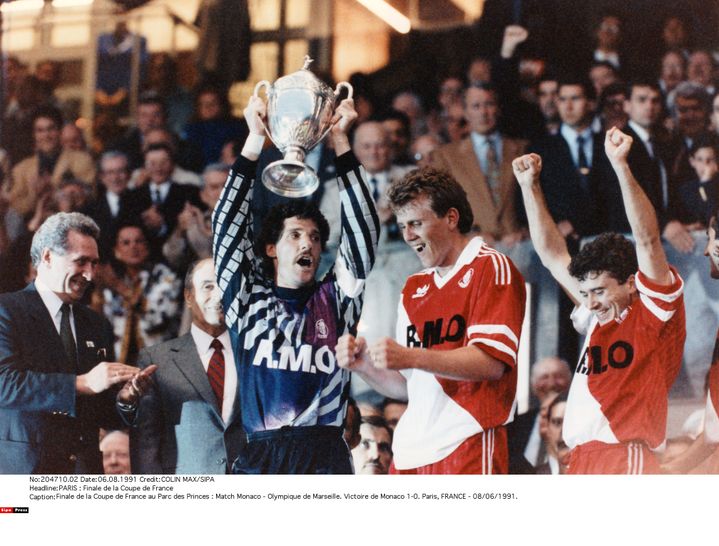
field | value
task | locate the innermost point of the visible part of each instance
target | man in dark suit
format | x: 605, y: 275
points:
x: 105, y: 210
x: 54, y: 374
x: 160, y: 201
x: 187, y: 419
x: 575, y: 165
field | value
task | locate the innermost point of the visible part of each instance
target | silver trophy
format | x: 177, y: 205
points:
x: 299, y: 115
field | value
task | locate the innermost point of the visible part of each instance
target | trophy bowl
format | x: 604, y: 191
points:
x: 299, y: 116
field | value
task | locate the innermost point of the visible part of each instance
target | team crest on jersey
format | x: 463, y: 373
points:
x: 421, y: 291
x: 321, y: 329
x: 464, y: 282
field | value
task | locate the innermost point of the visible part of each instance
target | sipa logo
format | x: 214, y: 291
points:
x: 421, y: 291
x: 464, y: 282
x: 321, y: 328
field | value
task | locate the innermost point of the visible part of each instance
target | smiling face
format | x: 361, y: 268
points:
x: 604, y: 296
x: 296, y: 255
x: 46, y: 134
x: 428, y: 234
x: 131, y: 247
x: 204, y: 299
x: 69, y: 274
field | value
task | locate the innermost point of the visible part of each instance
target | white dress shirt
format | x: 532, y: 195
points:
x: 53, y: 303
x: 202, y: 342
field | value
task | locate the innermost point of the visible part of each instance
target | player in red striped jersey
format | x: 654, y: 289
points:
x: 459, y: 323
x: 630, y: 305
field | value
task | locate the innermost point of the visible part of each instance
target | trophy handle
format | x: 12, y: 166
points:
x: 340, y: 85
x: 256, y: 93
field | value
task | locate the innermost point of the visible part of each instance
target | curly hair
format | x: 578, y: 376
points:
x: 274, y: 223
x: 610, y: 252
x: 443, y: 191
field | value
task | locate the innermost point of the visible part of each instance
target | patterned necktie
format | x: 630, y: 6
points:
x: 216, y: 371
x: 374, y: 183
x: 68, y: 341
x: 493, y: 169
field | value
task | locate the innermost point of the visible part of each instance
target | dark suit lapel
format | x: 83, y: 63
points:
x: 42, y: 322
x: 90, y: 347
x: 187, y: 360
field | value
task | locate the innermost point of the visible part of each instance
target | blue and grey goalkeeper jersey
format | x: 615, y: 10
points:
x: 284, y: 347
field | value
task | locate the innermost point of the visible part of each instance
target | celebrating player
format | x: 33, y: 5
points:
x: 634, y: 320
x: 283, y: 323
x: 455, y: 358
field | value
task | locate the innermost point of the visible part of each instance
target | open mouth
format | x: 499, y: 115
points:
x: 419, y: 248
x: 304, y: 261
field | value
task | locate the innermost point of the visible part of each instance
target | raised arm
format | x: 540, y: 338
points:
x: 232, y: 237
x: 640, y: 212
x: 547, y: 240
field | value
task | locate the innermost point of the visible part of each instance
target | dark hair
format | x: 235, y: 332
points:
x: 584, y: 83
x: 49, y: 112
x: 393, y: 114
x: 191, y: 273
x: 562, y: 397
x: 377, y: 422
x: 274, y: 223
x: 611, y: 253
x: 610, y: 90
x: 152, y: 97
x: 129, y: 224
x: 443, y: 191
x: 482, y: 86
x: 160, y: 146
x: 642, y: 82
x: 705, y: 140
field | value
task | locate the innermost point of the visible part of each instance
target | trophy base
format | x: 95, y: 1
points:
x: 290, y: 178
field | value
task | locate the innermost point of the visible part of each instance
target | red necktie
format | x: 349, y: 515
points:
x: 216, y: 371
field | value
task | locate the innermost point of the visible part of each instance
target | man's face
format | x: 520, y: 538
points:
x: 204, y: 300
x: 399, y: 142
x: 551, y: 375
x: 644, y: 106
x: 555, y: 443
x: 116, y: 453
x: 208, y: 106
x: 481, y: 110
x: 70, y: 274
x: 114, y: 174
x: 214, y: 182
x: 297, y: 253
x: 547, y: 96
x: 673, y: 33
x: 371, y: 146
x: 426, y: 233
x: 712, y: 249
x: 704, y: 162
x: 699, y: 68
x: 46, y: 134
x: 392, y: 413
x: 605, y: 297
x: 422, y: 149
x: 131, y: 247
x: 480, y: 71
x: 373, y: 455
x: 149, y: 116
x: 672, y: 69
x: 601, y: 77
x: 159, y: 166
x: 608, y: 33
x: 691, y: 117
x: 449, y: 92
x: 455, y: 124
x: 574, y: 108
x: 71, y: 138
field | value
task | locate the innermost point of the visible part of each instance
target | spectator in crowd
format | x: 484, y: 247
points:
x: 71, y: 138
x: 611, y: 107
x: 140, y: 297
x: 352, y: 424
x: 17, y: 135
x: 149, y: 114
x: 547, y: 100
x: 56, y: 367
x: 392, y: 410
x: 557, y: 449
x: 672, y: 73
x: 454, y: 124
x: 674, y: 35
x: 481, y: 164
x: 700, y: 195
x: 212, y: 124
x: 115, y: 448
x: 397, y: 126
x: 476, y: 297
x: 422, y: 149
x: 700, y: 69
x: 691, y: 118
x: 373, y: 455
x: 410, y: 104
x: 527, y: 448
x: 49, y: 165
x: 191, y: 240
x: 187, y: 418
x: 141, y: 176
x: 159, y: 202
x: 608, y: 37
x: 602, y: 74
x: 106, y: 208
x: 162, y: 79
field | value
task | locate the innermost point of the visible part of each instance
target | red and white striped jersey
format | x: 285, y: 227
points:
x: 621, y: 385
x: 479, y: 302
x: 711, y: 418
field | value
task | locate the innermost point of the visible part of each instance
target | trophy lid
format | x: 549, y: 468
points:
x: 303, y: 78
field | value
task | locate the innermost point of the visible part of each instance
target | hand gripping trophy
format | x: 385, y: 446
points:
x: 299, y: 114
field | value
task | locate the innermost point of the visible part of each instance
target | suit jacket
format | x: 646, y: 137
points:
x: 567, y: 198
x: 645, y: 170
x: 99, y: 210
x: 460, y: 160
x: 45, y: 428
x: 518, y: 433
x: 178, y: 427
x: 72, y: 163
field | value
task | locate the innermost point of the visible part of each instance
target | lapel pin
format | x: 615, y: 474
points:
x: 89, y: 343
